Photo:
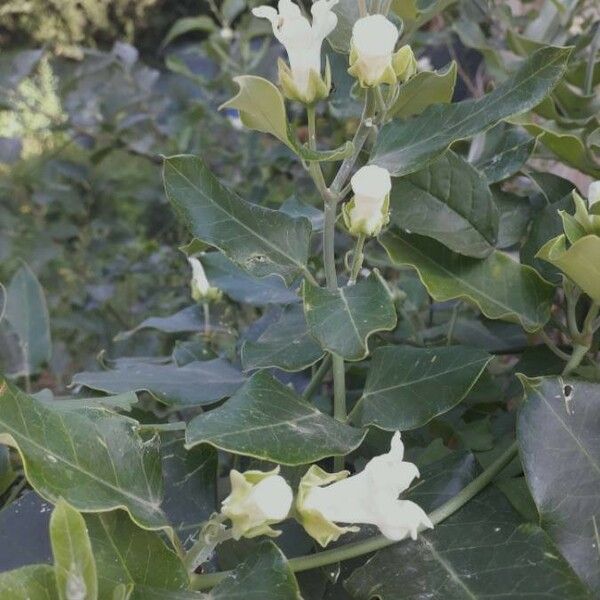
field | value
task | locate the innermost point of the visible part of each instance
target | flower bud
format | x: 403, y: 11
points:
x: 302, y: 79
x: 594, y: 193
x: 370, y: 497
x: 202, y: 291
x: 372, y: 57
x: 257, y: 500
x: 368, y: 211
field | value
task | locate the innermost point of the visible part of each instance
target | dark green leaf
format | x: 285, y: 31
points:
x: 515, y: 214
x: 286, y: 344
x: 557, y: 430
x: 265, y: 575
x: 126, y: 554
x: 506, y: 154
x: 407, y: 387
x: 186, y: 320
x: 267, y: 420
x: 260, y: 240
x: 187, y: 25
x: 343, y: 319
x: 500, y: 287
x: 483, y: 551
x: 450, y: 201
x: 197, y: 383
x: 403, y: 147
x: 92, y: 458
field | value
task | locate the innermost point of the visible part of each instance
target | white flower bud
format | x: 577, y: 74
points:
x: 368, y: 211
x: 302, y: 40
x: 594, y: 193
x: 201, y: 289
x: 372, y: 57
x: 257, y: 500
x: 370, y: 497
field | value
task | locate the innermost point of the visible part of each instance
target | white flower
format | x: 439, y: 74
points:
x: 226, y: 34
x: 257, y: 500
x: 370, y: 497
x: 372, y: 57
x: 201, y: 289
x: 593, y: 193
x: 302, y: 41
x: 368, y: 211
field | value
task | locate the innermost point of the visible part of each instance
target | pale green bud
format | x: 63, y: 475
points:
x: 202, y: 291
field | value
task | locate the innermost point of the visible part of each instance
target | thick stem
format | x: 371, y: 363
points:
x: 317, y: 378
x: 577, y: 356
x: 339, y: 400
x: 348, y: 551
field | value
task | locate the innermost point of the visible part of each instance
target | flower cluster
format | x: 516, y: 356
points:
x: 261, y: 499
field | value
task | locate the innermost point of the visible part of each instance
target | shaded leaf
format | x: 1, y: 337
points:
x: 92, y: 458
x: 557, y: 430
x: 482, y: 551
x: 405, y: 146
x: 267, y: 420
x: 285, y: 344
x: 27, y: 313
x: 260, y: 240
x: 74, y: 564
x: 186, y: 320
x: 126, y: 554
x: 188, y: 24
x: 343, y: 319
x: 266, y: 574
x: 450, y: 201
x: 498, y: 286
x: 407, y: 387
x: 197, y: 383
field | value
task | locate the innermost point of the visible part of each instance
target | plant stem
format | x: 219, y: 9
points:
x: 553, y: 347
x: 348, y: 551
x: 317, y: 378
x: 357, y: 259
x: 329, y: 244
x: 339, y: 400
x: 362, y: 7
x: 577, y: 356
x: 206, y: 311
x: 176, y: 426
x: 589, y: 72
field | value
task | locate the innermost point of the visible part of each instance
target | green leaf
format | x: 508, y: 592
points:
x: 423, y: 90
x: 567, y: 144
x: 260, y: 240
x: 407, y: 387
x: 74, y: 564
x: 262, y: 108
x: 267, y: 420
x: 7, y: 473
x: 35, y: 582
x: 188, y: 24
x: 515, y: 216
x: 190, y: 478
x: 557, y: 430
x: 348, y: 13
x: 92, y: 458
x: 169, y: 384
x: 482, y: 551
x: 498, y: 286
x: 241, y: 287
x: 27, y: 313
x: 265, y: 575
x: 405, y: 146
x: 126, y: 554
x: 450, y: 201
x: 187, y: 320
x: 285, y: 344
x: 343, y: 319
x: 504, y: 154
x: 580, y: 262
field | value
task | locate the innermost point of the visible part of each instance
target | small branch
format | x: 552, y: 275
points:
x: 357, y: 259
x: 317, y: 378
x: 162, y: 427
x: 552, y: 346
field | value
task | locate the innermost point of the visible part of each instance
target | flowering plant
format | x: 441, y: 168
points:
x: 394, y: 373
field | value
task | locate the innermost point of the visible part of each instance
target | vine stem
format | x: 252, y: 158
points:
x: 348, y: 551
x: 317, y: 378
x: 357, y: 259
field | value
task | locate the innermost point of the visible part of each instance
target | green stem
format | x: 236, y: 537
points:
x: 162, y: 427
x: 329, y: 244
x: 357, y: 259
x: 348, y: 551
x: 553, y: 347
x: 577, y: 356
x: 339, y: 400
x: 589, y: 72
x: 317, y: 378
x: 206, y: 311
